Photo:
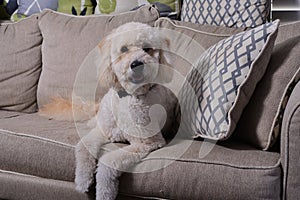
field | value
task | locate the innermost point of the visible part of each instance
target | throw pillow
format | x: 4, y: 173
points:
x: 165, y: 7
x: 68, y: 39
x: 29, y: 7
x: 231, y: 13
x: 223, y: 81
x: 21, y: 64
x: 272, y: 92
x: 26, y: 8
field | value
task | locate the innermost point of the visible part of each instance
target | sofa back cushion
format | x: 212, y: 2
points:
x: 189, y: 40
x: 20, y: 66
x: 67, y: 40
x: 260, y: 122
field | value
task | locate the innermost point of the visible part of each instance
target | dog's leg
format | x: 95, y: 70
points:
x: 111, y: 165
x: 87, y: 151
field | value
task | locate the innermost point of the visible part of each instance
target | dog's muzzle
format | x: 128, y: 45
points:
x: 137, y: 68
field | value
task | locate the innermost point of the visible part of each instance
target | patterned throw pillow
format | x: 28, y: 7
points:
x: 26, y: 8
x: 230, y: 13
x: 29, y: 7
x: 223, y: 81
x: 165, y: 7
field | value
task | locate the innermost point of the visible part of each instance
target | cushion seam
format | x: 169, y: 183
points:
x: 18, y: 173
x: 141, y: 196
x: 188, y: 28
x: 7, y: 132
x: 218, y: 163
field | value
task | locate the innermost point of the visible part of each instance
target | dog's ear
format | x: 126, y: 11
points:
x: 165, y: 72
x: 107, y: 77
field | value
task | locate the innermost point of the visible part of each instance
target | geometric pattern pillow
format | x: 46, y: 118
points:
x: 230, y: 13
x: 223, y: 81
x: 27, y: 8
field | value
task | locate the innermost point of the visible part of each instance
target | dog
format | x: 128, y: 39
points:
x: 135, y: 110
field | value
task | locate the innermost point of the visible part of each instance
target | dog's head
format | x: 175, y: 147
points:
x: 135, y: 56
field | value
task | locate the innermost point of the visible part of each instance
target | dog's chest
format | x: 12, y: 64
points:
x: 130, y: 116
x: 129, y: 111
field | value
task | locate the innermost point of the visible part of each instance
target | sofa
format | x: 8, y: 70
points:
x: 40, y: 57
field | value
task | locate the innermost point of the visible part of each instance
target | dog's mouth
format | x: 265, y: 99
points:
x: 137, y: 78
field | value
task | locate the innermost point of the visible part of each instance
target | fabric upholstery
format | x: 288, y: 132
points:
x: 223, y: 81
x: 36, y: 188
x: 20, y: 64
x: 27, y: 187
x: 287, y: 30
x: 246, y: 13
x: 234, y: 162
x: 261, y: 130
x: 63, y: 55
x: 290, y: 152
x: 188, y: 40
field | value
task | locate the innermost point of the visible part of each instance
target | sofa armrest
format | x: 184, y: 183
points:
x: 290, y: 146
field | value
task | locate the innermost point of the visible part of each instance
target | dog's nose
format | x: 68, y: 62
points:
x: 137, y: 66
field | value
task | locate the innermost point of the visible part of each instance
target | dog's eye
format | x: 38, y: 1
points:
x: 124, y: 49
x: 147, y: 49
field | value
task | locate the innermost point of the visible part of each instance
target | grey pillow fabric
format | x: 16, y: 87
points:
x: 188, y: 40
x: 67, y: 40
x: 20, y: 66
x: 260, y: 123
x: 234, y: 13
x: 223, y: 81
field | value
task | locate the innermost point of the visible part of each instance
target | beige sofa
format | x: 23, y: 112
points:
x: 40, y: 56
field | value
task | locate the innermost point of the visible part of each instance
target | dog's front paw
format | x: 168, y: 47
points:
x: 82, y: 185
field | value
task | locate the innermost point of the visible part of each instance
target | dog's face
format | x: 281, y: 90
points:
x: 136, y: 56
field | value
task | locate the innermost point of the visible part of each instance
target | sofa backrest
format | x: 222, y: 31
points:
x: 20, y: 64
x: 67, y: 40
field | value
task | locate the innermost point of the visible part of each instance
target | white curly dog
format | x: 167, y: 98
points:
x: 135, y: 109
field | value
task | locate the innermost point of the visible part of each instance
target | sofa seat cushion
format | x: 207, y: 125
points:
x: 36, y: 146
